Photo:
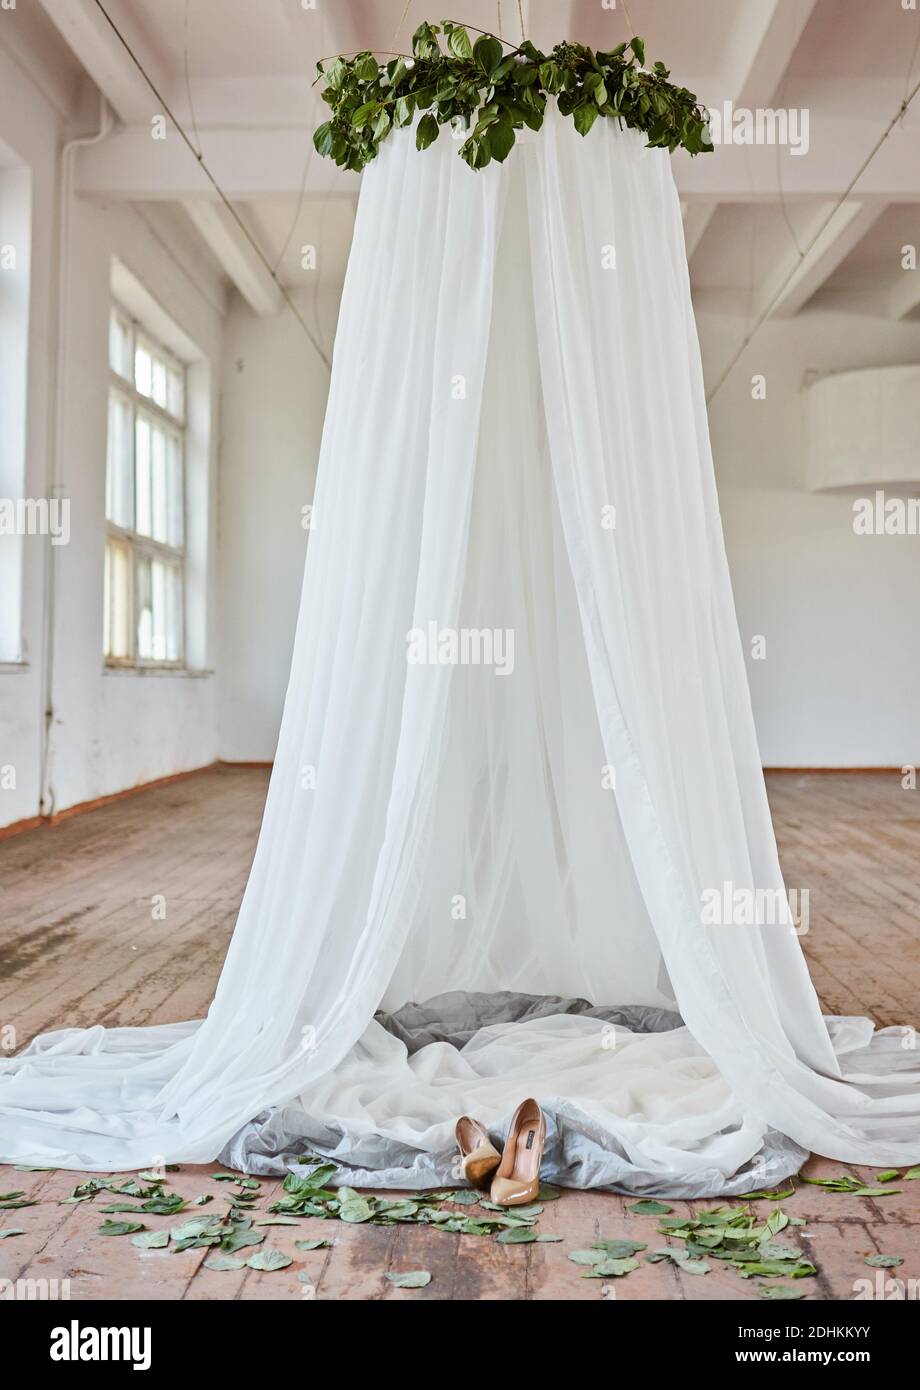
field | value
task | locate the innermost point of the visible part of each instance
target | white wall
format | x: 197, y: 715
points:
x: 274, y: 399
x: 30, y: 129
x: 110, y: 730
x: 840, y: 682
x: 838, y: 685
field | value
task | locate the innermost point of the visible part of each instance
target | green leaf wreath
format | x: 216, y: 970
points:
x: 493, y: 94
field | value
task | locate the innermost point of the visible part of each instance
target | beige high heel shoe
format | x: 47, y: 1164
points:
x: 517, y: 1180
x: 480, y: 1156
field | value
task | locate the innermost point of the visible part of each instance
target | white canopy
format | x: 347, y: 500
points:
x: 517, y: 750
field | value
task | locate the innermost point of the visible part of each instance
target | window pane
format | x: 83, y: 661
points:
x: 174, y: 490
x: 159, y: 611
x: 143, y: 370
x: 119, y: 473
x: 117, y: 602
x: 142, y: 473
x: 159, y: 388
x: 173, y: 613
x: 120, y: 345
x: 160, y: 511
x: 144, y: 610
x: 175, y: 393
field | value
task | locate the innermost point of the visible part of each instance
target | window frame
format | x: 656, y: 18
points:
x: 140, y: 547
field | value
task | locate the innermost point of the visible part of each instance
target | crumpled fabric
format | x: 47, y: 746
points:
x: 577, y: 1154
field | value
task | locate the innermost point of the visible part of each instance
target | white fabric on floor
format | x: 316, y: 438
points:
x: 498, y: 386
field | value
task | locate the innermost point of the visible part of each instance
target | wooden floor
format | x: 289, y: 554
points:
x: 84, y: 940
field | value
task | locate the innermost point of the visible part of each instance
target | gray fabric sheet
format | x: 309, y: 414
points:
x: 576, y: 1153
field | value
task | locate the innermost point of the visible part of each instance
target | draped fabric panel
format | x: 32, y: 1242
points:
x: 516, y: 449
x: 664, y: 649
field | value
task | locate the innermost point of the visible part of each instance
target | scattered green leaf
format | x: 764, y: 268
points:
x: 410, y: 1279
x: 614, y: 1269
x: 223, y: 1262
x: 517, y: 1235
x: 151, y: 1240
x: 119, y: 1228
x: 269, y: 1260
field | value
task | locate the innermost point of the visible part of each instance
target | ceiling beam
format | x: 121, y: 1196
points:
x: 759, y: 52
x: 248, y: 163
x: 784, y: 294
x: 98, y: 48
x: 259, y: 162
x: 235, y: 254
x: 761, y: 47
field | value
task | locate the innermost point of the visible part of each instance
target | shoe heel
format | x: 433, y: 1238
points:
x: 479, y: 1166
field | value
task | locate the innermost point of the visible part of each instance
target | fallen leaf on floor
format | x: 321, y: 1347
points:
x: 650, y: 1208
x: 411, y: 1279
x: 321, y: 1244
x: 775, y: 1269
x: 855, y: 1187
x: 240, y: 1237
x: 619, y: 1249
x: 151, y: 1240
x: 880, y: 1261
x: 119, y: 1228
x: 223, y: 1262
x: 13, y: 1231
x: 680, y: 1258
x: 355, y: 1210
x: 780, y: 1291
x: 611, y: 1268
x: 269, y: 1260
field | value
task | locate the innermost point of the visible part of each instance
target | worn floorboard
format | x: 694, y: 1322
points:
x: 122, y: 916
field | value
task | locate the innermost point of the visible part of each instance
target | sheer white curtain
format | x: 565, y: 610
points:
x: 627, y: 424
x: 501, y: 380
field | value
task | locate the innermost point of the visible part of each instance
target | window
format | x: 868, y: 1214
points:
x: 144, y: 500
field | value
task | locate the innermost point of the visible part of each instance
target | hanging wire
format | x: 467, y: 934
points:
x: 498, y: 5
x: 765, y: 314
x: 188, y: 85
x: 401, y: 22
x: 521, y: 18
x: 779, y: 180
x: 910, y: 65
x: 303, y: 181
x: 301, y: 198
x: 165, y: 107
x: 629, y: 23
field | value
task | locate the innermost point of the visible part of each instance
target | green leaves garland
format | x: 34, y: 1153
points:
x: 493, y: 94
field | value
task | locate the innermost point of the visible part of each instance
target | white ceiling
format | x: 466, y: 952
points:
x: 238, y: 74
